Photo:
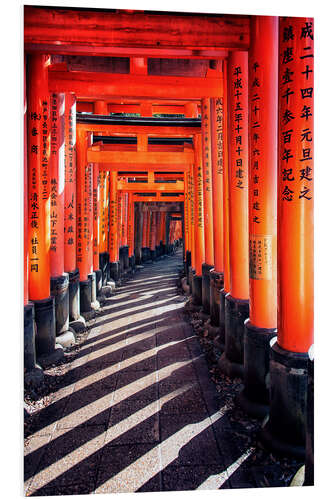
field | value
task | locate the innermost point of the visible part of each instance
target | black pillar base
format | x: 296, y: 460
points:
x: 121, y: 263
x: 104, y: 266
x: 188, y: 263
x: 144, y: 254
x: 231, y: 362
x: 115, y: 271
x: 197, y: 290
x: 45, y: 326
x: 94, y: 301
x: 76, y: 321
x: 131, y: 262
x: 254, y: 398
x: 29, y: 338
x: 99, y: 281
x: 85, y: 296
x: 284, y: 432
x: 191, y: 273
x: 153, y: 255
x: 206, y: 287
x: 125, y: 257
x: 157, y: 252
x: 216, y: 284
x: 309, y: 446
x: 74, y: 295
x: 60, y: 292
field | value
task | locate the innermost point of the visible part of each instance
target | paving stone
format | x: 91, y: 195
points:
x: 136, y: 384
x: 70, y: 458
x: 89, y: 406
x: 188, y: 440
x: 185, y: 478
x: 128, y: 468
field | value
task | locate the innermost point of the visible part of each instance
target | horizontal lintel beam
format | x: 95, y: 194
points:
x: 101, y: 85
x: 141, y: 157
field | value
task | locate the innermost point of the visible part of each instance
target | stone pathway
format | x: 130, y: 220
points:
x: 137, y: 410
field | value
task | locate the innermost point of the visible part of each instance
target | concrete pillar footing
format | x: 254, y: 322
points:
x: 60, y: 291
x: 53, y: 358
x: 78, y: 325
x: 34, y: 378
x: 66, y: 339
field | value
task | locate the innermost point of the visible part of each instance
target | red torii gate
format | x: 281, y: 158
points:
x: 47, y: 32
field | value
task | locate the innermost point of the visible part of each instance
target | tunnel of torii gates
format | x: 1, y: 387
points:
x: 228, y: 174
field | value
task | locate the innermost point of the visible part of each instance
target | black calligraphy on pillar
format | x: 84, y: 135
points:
x: 296, y: 101
x: 219, y: 134
x: 255, y: 123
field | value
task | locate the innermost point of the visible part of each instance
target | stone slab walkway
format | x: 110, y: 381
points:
x: 137, y: 410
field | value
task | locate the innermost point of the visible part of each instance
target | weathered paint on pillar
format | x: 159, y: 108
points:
x: 263, y: 111
x: 295, y: 184
x: 57, y: 183
x: 96, y: 212
x: 113, y: 231
x: 226, y: 234
x: 199, y: 238
x: 218, y: 166
x: 70, y: 184
x: 38, y: 142
x: 238, y: 175
x: 207, y: 181
x: 84, y: 207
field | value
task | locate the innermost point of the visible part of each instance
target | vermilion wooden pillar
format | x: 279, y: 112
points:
x: 208, y: 203
x: 192, y: 271
x: 113, y: 229
x: 130, y: 231
x: 226, y: 247
x: 120, y: 201
x: 59, y: 279
x: 237, y: 303
x: 263, y: 121
x: 100, y: 107
x: 149, y: 234
x: 38, y: 156
x: 29, y: 310
x: 96, y: 223
x: 124, y: 230
x: 153, y: 236
x: 199, y: 231
x: 288, y: 367
x: 144, y: 249
x: 85, y: 223
x: 216, y: 274
x: 158, y: 233
x: 70, y: 266
x: 187, y: 226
